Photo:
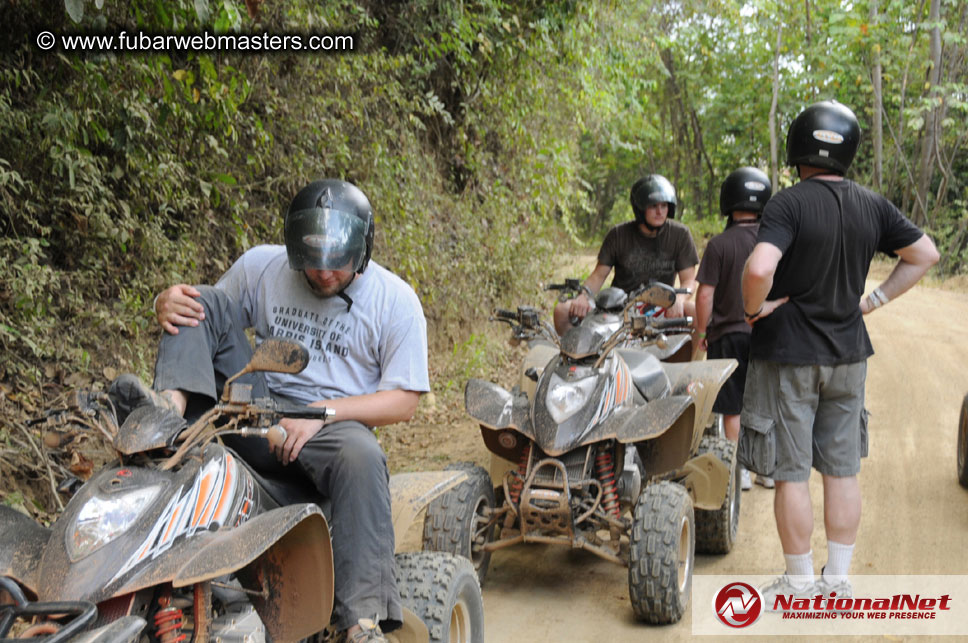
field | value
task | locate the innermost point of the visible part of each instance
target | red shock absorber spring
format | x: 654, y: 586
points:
x: 168, y: 625
x: 605, y: 467
x: 518, y: 483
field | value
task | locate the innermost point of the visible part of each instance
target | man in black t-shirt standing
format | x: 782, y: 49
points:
x: 721, y: 329
x: 808, y: 356
x: 652, y: 247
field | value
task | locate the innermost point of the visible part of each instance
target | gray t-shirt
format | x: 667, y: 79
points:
x: 379, y: 344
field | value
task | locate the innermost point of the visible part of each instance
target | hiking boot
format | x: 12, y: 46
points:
x: 128, y: 392
x: 370, y: 632
x: 765, y: 481
x: 745, y: 481
x: 783, y: 586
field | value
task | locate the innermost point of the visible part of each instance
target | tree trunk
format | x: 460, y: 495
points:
x: 774, y: 160
x: 930, y: 138
x: 806, y: 7
x: 878, y: 126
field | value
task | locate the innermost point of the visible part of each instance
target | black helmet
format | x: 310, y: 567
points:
x: 745, y: 189
x: 329, y: 226
x: 826, y: 135
x: 650, y: 190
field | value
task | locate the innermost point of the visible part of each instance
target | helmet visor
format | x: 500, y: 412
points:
x: 325, y: 239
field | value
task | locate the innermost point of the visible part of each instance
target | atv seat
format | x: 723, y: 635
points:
x: 647, y: 373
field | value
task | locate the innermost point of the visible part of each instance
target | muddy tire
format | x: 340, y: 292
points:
x: 716, y: 529
x: 662, y: 553
x: 454, y: 522
x: 442, y: 590
x: 717, y: 426
x: 963, y: 444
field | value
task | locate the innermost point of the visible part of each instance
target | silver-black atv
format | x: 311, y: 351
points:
x: 179, y: 540
x: 560, y: 472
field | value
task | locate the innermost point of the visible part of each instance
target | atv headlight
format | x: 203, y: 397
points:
x: 104, y: 518
x: 565, y: 398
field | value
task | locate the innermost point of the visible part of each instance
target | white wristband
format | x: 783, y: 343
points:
x: 878, y: 298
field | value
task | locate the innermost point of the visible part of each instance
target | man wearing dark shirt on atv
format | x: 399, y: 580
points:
x: 653, y: 247
x: 803, y: 292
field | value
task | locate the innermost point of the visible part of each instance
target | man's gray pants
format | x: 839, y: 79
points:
x: 343, y: 461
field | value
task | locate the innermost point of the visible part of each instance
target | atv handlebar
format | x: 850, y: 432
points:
x: 83, y: 613
x: 664, y: 324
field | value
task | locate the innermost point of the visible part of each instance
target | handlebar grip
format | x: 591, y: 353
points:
x: 309, y: 412
x: 509, y: 314
x: 660, y: 324
x: 276, y: 436
x: 555, y: 287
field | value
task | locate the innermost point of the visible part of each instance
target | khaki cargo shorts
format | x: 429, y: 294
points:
x: 797, y: 417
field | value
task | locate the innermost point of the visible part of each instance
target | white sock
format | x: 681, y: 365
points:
x: 799, y: 568
x: 838, y: 561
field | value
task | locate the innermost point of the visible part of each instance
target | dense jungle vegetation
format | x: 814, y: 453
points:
x: 488, y: 134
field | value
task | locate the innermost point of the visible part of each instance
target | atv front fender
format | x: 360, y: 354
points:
x: 497, y: 409
x: 706, y: 480
x: 22, y: 543
x: 285, y: 555
x: 661, y: 431
x: 411, y: 493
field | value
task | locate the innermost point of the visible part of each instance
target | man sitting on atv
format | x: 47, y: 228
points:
x: 652, y: 247
x: 367, y: 337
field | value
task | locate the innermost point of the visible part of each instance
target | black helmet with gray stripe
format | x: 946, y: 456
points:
x: 329, y: 226
x: 650, y: 190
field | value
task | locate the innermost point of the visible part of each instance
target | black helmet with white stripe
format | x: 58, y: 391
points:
x: 824, y: 135
x: 746, y: 189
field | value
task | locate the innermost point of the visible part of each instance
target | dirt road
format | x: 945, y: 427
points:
x: 915, y: 517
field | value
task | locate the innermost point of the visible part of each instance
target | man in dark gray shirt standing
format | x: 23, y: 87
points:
x: 721, y: 329
x: 803, y: 294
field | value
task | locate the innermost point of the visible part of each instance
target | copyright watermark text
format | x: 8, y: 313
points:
x: 145, y: 42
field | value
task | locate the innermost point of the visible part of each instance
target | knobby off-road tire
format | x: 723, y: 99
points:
x: 717, y: 428
x: 454, y: 520
x: 662, y: 553
x: 963, y: 444
x: 716, y: 530
x: 442, y: 590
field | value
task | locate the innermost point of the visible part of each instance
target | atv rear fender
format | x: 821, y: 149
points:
x: 701, y: 380
x: 411, y: 493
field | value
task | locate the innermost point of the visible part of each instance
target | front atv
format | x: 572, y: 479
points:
x: 601, y: 448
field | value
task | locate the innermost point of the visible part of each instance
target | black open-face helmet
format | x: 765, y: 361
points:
x: 745, y: 189
x: 825, y: 135
x: 650, y: 190
x: 329, y: 226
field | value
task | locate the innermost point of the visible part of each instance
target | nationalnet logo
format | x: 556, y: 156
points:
x: 878, y: 605
x: 898, y: 606
x: 738, y: 604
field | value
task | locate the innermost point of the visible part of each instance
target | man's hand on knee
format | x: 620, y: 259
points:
x: 178, y: 306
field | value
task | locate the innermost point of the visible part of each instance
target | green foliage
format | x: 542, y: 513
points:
x: 485, y: 132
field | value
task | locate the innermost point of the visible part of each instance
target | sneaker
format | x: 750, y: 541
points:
x: 745, y: 481
x: 369, y: 632
x: 827, y: 587
x: 765, y: 481
x: 128, y: 392
x: 782, y: 586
